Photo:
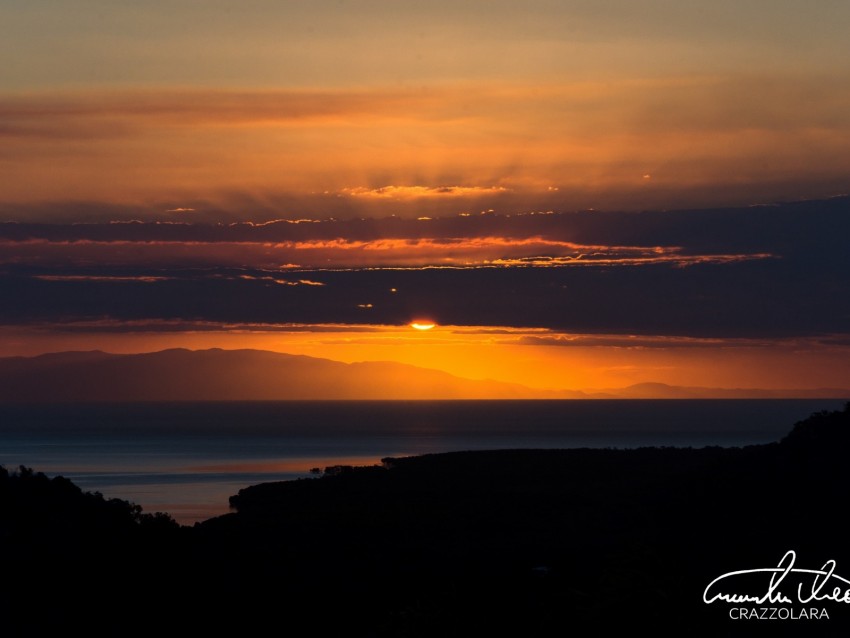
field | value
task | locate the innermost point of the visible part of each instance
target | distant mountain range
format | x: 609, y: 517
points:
x: 201, y: 375
x: 222, y: 375
x: 664, y: 391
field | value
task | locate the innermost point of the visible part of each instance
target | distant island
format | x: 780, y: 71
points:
x: 248, y: 375
x: 509, y: 542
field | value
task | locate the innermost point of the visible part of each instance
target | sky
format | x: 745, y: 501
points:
x: 579, y: 194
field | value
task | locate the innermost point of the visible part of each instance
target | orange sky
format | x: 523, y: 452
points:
x: 579, y: 362
x: 620, y: 143
x: 365, y: 114
x: 254, y: 112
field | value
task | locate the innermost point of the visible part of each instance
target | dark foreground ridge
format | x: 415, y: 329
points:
x: 521, y: 542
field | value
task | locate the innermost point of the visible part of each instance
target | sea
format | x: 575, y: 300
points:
x: 187, y: 458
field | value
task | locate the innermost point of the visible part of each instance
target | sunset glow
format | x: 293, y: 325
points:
x: 422, y: 325
x: 378, y: 317
x: 584, y: 197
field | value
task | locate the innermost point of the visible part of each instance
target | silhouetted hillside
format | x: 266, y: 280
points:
x: 549, y: 542
x: 221, y: 375
x: 511, y: 542
x: 72, y: 559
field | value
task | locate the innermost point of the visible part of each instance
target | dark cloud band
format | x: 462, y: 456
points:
x: 763, y: 272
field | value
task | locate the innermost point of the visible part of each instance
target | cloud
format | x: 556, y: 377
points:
x: 419, y: 192
x: 632, y: 342
x: 103, y: 278
x: 182, y: 326
x: 491, y: 252
x: 749, y: 299
x: 106, y: 114
x: 276, y: 280
x: 704, y: 139
x: 745, y: 230
x: 695, y: 274
x: 551, y: 239
x: 613, y: 259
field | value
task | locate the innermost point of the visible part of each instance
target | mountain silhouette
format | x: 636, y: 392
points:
x: 223, y: 375
x: 665, y: 391
x: 259, y: 375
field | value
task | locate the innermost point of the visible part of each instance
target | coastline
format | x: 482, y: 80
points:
x: 534, y: 540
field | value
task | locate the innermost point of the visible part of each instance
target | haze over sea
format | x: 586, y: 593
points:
x: 188, y: 458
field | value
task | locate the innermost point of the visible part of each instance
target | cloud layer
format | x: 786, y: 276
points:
x: 760, y: 272
x: 678, y: 141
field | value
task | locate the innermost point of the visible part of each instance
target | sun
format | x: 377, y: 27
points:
x: 422, y: 324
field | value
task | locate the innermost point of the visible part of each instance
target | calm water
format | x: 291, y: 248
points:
x: 188, y: 458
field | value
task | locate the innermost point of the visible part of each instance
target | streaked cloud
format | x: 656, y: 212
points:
x: 544, y: 239
x: 417, y: 192
x: 109, y: 113
x: 767, y: 271
x: 646, y: 341
x: 183, y: 326
x: 493, y: 252
x: 103, y: 278
x: 705, y: 139
x: 278, y: 280
x: 610, y: 258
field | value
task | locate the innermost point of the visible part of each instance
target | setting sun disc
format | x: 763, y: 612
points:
x: 422, y: 325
